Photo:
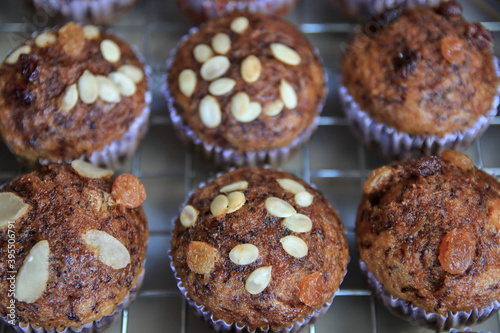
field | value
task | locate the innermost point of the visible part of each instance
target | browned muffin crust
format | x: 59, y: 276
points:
x: 426, y: 71
x: 33, y: 123
x: 265, y: 132
x: 223, y: 291
x: 408, y: 212
x: 63, y: 206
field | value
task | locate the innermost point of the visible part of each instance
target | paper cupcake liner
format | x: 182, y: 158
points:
x: 467, y: 329
x: 202, y: 10
x: 220, y: 325
x: 365, y: 9
x: 99, y: 12
x: 227, y: 157
x: 393, y: 143
x: 419, y: 316
x: 96, y: 326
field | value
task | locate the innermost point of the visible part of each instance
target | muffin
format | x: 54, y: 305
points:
x: 202, y: 10
x: 258, y: 249
x: 421, y: 81
x: 72, y: 247
x: 73, y: 93
x: 101, y: 12
x: 246, y: 89
x: 365, y: 10
x: 428, y: 238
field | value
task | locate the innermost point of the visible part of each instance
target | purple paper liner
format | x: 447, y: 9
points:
x: 418, y: 316
x: 220, y: 325
x: 365, y: 9
x: 101, y: 12
x: 201, y: 10
x: 393, y: 143
x: 227, y: 157
x: 96, y: 326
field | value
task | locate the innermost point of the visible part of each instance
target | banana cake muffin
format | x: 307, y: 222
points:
x: 259, y: 249
x: 420, y: 80
x: 73, y: 92
x: 245, y: 88
x: 72, y: 247
x: 428, y: 237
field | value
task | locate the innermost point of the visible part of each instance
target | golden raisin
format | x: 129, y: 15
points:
x: 311, y: 289
x: 377, y: 179
x: 128, y: 191
x: 494, y: 212
x: 201, y: 257
x: 462, y: 161
x: 456, y: 251
x: 453, y: 49
x: 72, y: 38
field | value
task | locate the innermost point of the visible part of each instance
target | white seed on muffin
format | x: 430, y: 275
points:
x: 31, y: 280
x: 279, y: 207
x: 110, y: 51
x: 110, y: 251
x: 12, y: 208
x: 210, y: 112
x: 188, y: 216
x: 285, y: 54
x: 86, y: 169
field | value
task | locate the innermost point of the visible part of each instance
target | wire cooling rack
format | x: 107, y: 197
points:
x: 334, y: 161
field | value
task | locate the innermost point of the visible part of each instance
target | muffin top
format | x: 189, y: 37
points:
x: 74, y: 238
x: 68, y: 92
x: 423, y: 70
x: 259, y: 247
x: 246, y: 81
x: 428, y: 230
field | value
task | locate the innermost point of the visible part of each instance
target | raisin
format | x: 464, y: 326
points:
x: 494, y: 213
x: 406, y: 62
x: 457, y: 251
x: 388, y: 16
x: 426, y: 166
x: 479, y: 35
x: 72, y: 38
x: 453, y: 49
x: 22, y: 95
x: 28, y: 66
x: 128, y: 191
x: 201, y: 257
x: 449, y: 8
x: 460, y: 160
x: 311, y: 289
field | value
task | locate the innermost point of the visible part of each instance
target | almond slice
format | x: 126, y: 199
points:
x: 70, y: 98
x: 291, y: 185
x: 298, y: 223
x: 12, y: 207
x: 91, y: 31
x: 280, y: 208
x: 110, y: 51
x: 221, y: 86
x: 86, y: 169
x: 187, y: 82
x: 285, y: 54
x: 239, y: 24
x: 201, y: 257
x: 294, y: 246
x: 274, y: 108
x: 244, y: 254
x: 251, y: 69
x: 218, y: 206
x: 288, y: 94
x: 45, y: 39
x: 304, y: 199
x: 236, y: 200
x: 221, y: 43
x: 188, y: 216
x: 134, y: 73
x: 14, y: 56
x: 125, y: 85
x: 250, y: 114
x: 31, y: 281
x: 202, y: 52
x: 241, y: 185
x: 214, y: 68
x: 110, y: 250
x: 239, y: 104
x: 108, y: 91
x: 210, y: 112
x: 258, y: 280
x: 88, y: 87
